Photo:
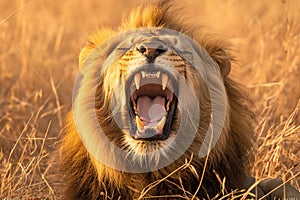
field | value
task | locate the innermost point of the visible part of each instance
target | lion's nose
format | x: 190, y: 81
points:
x: 151, y: 50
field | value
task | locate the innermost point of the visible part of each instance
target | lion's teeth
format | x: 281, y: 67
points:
x: 160, y: 125
x: 164, y: 80
x: 137, y: 80
x: 143, y: 74
x: 134, y: 107
x: 168, y: 106
x: 170, y: 85
x: 157, y: 74
x: 139, y: 123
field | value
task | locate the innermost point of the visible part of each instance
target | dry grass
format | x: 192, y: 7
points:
x: 40, y: 41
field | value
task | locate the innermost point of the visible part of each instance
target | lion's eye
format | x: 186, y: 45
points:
x: 123, y: 49
x: 171, y: 40
x: 174, y: 40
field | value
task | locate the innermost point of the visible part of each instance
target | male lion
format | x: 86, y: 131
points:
x: 155, y: 115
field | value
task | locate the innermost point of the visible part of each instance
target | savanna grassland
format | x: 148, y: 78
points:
x: 39, y: 46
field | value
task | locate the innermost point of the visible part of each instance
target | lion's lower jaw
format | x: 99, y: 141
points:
x: 140, y: 147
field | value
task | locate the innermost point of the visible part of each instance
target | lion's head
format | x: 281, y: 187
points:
x: 152, y: 95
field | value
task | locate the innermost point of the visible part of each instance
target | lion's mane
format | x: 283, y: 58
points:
x: 87, y: 178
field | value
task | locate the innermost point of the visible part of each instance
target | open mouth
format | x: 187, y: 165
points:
x: 152, y: 104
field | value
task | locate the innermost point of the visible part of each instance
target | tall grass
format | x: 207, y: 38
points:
x: 39, y: 44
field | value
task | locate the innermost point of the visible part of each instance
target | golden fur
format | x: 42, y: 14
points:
x: 87, y: 178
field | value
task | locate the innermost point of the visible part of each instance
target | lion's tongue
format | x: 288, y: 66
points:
x: 151, y: 110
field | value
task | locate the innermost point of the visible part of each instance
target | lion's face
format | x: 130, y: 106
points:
x: 152, y: 74
x: 150, y: 90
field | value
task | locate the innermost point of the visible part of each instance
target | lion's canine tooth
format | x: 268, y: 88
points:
x: 164, y: 80
x: 143, y: 74
x: 168, y: 106
x: 139, y: 123
x: 137, y: 80
x: 160, y: 125
x: 170, y: 85
x: 157, y: 74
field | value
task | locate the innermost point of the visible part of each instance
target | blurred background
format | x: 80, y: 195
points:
x: 39, y: 46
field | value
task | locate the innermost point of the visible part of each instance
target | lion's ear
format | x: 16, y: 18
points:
x: 217, y: 48
x: 95, y: 40
x: 223, y: 59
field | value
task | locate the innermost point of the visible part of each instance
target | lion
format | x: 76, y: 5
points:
x: 156, y: 115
